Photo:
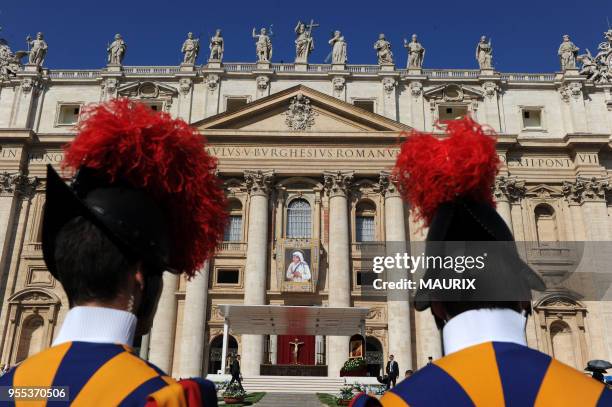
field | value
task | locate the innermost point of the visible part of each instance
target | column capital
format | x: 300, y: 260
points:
x: 258, y: 182
x: 509, y: 189
x: 17, y: 183
x: 387, y: 185
x: 337, y: 183
x: 586, y: 189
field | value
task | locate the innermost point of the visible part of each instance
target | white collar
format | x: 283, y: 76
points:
x: 97, y: 324
x: 483, y: 325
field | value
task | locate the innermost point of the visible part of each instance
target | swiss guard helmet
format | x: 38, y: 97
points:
x: 449, y: 186
x: 145, y: 180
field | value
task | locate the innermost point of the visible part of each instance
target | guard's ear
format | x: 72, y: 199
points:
x: 139, y: 276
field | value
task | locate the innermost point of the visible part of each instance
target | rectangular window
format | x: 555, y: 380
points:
x: 156, y: 106
x: 532, y: 118
x: 233, y: 230
x: 228, y: 276
x: 452, y: 112
x: 68, y: 114
x: 364, y: 227
x: 234, y: 104
x: 365, y: 278
x: 365, y: 105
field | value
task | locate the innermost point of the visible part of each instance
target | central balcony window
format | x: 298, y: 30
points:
x: 299, y: 219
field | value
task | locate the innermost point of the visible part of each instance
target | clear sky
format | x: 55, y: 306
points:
x: 526, y: 33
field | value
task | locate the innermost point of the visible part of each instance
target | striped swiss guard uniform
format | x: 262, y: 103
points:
x: 487, y: 363
x: 93, y: 359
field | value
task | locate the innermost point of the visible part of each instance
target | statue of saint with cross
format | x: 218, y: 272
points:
x: 304, y: 43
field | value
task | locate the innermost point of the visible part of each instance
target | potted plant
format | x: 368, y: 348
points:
x: 345, y: 396
x: 234, y: 394
x: 354, y: 367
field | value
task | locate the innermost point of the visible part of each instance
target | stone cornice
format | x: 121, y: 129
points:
x: 16, y: 135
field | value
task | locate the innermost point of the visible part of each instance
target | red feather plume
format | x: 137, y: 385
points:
x: 430, y: 171
x: 167, y: 158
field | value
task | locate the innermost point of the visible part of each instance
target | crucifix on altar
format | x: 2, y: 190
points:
x: 296, y: 349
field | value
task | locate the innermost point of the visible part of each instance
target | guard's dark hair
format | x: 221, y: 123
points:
x: 89, y: 265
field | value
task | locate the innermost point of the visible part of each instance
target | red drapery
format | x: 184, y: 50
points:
x: 306, y: 352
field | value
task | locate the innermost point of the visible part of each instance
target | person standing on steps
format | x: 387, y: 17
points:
x: 392, y: 371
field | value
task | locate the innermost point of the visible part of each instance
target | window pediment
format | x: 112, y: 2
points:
x: 453, y: 93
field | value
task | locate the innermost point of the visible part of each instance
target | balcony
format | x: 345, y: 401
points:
x: 367, y: 249
x: 555, y: 261
x: 32, y: 250
x: 232, y: 249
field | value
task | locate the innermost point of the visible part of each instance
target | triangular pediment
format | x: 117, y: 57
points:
x: 301, y: 109
x: 543, y: 191
x: 453, y: 93
x: 146, y: 90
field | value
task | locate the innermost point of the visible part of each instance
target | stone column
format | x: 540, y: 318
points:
x: 337, y: 184
x: 417, y: 110
x: 319, y: 349
x: 589, y: 192
x: 571, y: 92
x: 194, y: 325
x: 185, y: 97
x: 12, y: 185
x: 263, y: 85
x: 491, y: 106
x: 398, y: 302
x: 161, y: 342
x: 507, y: 190
x: 255, y: 273
x: 389, y: 96
x: 212, y: 79
x: 273, y: 349
x: 26, y: 99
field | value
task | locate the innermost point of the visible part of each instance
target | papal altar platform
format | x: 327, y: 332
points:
x: 293, y: 370
x: 299, y: 322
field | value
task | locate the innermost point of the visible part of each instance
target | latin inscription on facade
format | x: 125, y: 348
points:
x: 322, y: 153
x: 537, y: 162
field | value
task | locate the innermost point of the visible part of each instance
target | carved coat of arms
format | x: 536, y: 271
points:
x: 300, y: 115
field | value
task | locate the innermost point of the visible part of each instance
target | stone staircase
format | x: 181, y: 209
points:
x: 292, y: 384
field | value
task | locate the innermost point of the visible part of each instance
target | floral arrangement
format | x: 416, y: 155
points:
x: 234, y: 391
x: 354, y: 364
x: 346, y: 392
x: 354, y: 367
x: 221, y: 386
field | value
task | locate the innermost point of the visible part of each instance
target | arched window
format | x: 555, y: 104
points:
x: 216, y: 352
x: 546, y: 224
x: 299, y: 219
x: 374, y: 356
x: 31, y: 338
x: 562, y: 343
x: 365, y: 216
x: 233, y: 229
